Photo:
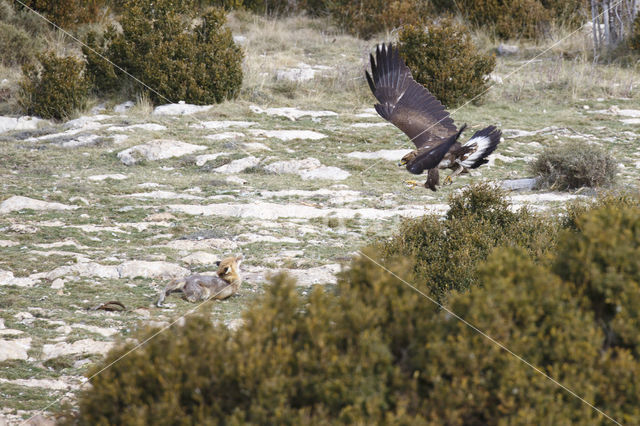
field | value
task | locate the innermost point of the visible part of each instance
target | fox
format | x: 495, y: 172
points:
x: 198, y: 287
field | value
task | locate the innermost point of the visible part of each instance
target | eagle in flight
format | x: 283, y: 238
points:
x: 409, y: 106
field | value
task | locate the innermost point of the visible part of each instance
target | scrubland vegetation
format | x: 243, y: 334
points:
x: 557, y: 286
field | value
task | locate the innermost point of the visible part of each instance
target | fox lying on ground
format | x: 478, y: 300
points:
x: 198, y: 287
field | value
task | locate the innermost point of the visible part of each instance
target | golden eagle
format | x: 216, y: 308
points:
x: 413, y: 109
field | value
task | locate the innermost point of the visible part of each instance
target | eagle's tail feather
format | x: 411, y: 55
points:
x: 487, y: 141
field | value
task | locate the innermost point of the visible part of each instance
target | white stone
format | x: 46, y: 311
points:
x: 631, y: 121
x: 41, y: 383
x: 255, y: 146
x: 200, y: 258
x: 14, y: 349
x: 325, y: 274
x: 17, y: 203
x: 154, y: 269
x: 85, y: 122
x: 297, y: 75
x: 270, y: 211
x: 180, y: 108
x: 255, y: 238
x: 57, y: 284
x: 88, y: 269
x: 158, y: 149
x: 289, y: 135
x: 237, y: 166
x: 80, y: 347
x: 385, y: 154
x: 9, y: 124
x: 7, y: 278
x: 527, y: 184
x: 114, y: 176
x: 8, y: 243
x: 293, y: 166
x: 325, y: 172
x: 367, y: 125
x: 151, y: 127
x: 225, y: 136
x: 210, y: 125
x: 292, y: 113
x: 123, y: 107
x: 235, y: 180
x: 204, y: 244
x: 162, y: 195
x: 103, y: 331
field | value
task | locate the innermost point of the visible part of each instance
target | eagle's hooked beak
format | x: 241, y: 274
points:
x: 402, y: 162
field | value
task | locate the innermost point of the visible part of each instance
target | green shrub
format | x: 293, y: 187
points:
x: 634, y: 38
x: 158, y: 45
x: 365, y: 18
x: 377, y: 352
x: 444, y: 59
x: 448, y: 252
x: 574, y: 165
x: 601, y: 257
x: 68, y: 14
x: 54, y: 88
x: 17, y: 47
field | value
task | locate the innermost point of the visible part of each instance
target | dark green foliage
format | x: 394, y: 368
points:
x: 271, y: 7
x: 159, y: 46
x: 518, y: 18
x: 377, y: 352
x: 634, y: 38
x: 444, y: 59
x: 17, y: 47
x: 601, y: 256
x: 54, y: 88
x: 68, y: 14
x: 448, y: 252
x: 574, y: 165
x: 366, y: 18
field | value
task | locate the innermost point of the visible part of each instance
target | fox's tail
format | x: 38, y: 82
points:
x: 175, y: 285
x: 487, y: 141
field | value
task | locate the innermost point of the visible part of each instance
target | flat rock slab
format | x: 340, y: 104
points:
x: 292, y: 113
x: 158, y: 149
x: 80, y: 347
x: 289, y: 135
x: 308, y: 169
x: 527, y: 184
x: 7, y: 278
x: 222, y: 124
x: 18, y: 202
x: 180, y: 108
x: 14, y: 349
x: 9, y: 124
x: 44, y: 383
x: 114, y: 176
x: 383, y: 154
x: 225, y: 136
x: 237, y: 166
x: 261, y: 210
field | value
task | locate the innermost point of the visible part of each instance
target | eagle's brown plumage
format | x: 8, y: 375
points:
x: 413, y: 109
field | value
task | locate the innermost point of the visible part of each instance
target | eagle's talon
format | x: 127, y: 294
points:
x: 412, y: 183
x: 447, y: 181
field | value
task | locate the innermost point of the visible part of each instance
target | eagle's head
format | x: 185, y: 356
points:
x: 407, y: 158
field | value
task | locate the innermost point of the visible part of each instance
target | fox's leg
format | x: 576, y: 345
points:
x: 174, y: 286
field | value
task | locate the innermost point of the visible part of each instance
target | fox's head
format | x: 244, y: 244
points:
x: 229, y: 267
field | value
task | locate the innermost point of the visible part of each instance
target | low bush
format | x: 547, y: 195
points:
x: 159, y: 46
x: 53, y: 88
x: 374, y: 351
x: 68, y: 14
x: 634, y: 38
x: 17, y: 47
x: 365, y: 18
x: 448, y: 252
x: 443, y: 58
x: 574, y: 165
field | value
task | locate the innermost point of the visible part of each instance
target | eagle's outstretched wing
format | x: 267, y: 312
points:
x: 406, y: 103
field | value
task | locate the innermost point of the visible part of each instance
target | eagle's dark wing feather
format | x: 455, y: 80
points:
x: 406, y: 103
x: 430, y: 157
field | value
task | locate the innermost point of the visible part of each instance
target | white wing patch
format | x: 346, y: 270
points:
x: 482, y: 144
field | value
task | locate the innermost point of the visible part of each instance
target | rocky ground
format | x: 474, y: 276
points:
x: 115, y: 203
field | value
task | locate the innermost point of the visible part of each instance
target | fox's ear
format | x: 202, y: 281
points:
x: 239, y: 259
x: 226, y: 270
